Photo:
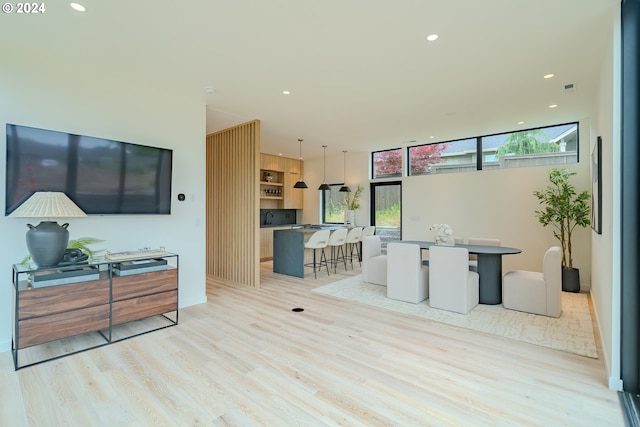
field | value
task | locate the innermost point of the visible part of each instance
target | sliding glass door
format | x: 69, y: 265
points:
x: 386, y: 210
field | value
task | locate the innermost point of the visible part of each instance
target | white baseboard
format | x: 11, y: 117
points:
x: 187, y: 302
x: 615, y: 384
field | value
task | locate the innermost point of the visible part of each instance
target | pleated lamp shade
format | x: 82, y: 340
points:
x: 48, y: 204
x: 47, y: 241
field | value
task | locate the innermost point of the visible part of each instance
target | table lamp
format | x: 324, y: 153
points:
x: 47, y: 241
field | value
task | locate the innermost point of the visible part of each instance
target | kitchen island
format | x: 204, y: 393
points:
x: 288, y: 248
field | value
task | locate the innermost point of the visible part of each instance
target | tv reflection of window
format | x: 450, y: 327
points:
x: 102, y: 176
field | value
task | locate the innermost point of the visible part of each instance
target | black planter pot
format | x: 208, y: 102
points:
x: 571, y: 280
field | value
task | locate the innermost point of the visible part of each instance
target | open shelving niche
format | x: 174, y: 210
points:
x: 54, y: 321
x: 271, y: 192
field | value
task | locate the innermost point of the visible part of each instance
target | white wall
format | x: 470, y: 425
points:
x: 605, y: 283
x: 41, y: 92
x: 495, y: 204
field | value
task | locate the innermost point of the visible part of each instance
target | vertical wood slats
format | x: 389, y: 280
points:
x: 233, y: 209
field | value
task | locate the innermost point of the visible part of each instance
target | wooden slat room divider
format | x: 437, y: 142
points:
x: 233, y: 204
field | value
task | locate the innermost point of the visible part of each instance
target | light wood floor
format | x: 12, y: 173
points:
x: 245, y: 359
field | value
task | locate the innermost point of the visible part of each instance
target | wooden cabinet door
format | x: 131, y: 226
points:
x: 293, y: 197
x: 266, y: 243
x: 272, y: 163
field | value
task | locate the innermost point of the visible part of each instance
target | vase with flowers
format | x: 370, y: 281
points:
x: 443, y: 234
x: 351, y: 203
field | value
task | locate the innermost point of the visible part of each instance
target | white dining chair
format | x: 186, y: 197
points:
x: 473, y: 259
x: 452, y: 286
x: 407, y: 277
x: 536, y: 292
x: 374, y: 263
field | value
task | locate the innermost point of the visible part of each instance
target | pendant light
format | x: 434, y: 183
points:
x: 344, y: 188
x: 300, y: 183
x: 324, y: 186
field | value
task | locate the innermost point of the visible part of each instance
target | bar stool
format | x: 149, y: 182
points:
x: 369, y: 230
x: 336, y: 241
x: 353, y: 242
x: 318, y: 240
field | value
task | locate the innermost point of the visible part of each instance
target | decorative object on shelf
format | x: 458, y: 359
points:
x: 350, y: 218
x: 83, y: 244
x: 351, y: 204
x: 443, y: 235
x: 267, y: 176
x: 300, y: 183
x: 344, y: 188
x: 140, y: 253
x: 324, y: 186
x: 48, y: 240
x: 564, y: 209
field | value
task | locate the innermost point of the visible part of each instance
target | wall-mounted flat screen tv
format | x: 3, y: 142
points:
x: 100, y: 175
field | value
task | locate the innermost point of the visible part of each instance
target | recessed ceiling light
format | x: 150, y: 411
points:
x: 520, y: 123
x: 553, y: 105
x: 432, y: 37
x: 78, y: 7
x: 286, y: 92
x: 210, y: 90
x: 548, y: 76
x: 431, y: 137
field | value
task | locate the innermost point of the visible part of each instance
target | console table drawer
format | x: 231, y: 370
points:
x: 57, y: 299
x: 137, y: 285
x: 145, y: 306
x: 38, y: 330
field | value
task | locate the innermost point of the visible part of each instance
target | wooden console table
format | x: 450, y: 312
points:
x: 76, y: 312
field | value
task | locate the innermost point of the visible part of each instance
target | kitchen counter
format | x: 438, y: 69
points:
x: 288, y: 248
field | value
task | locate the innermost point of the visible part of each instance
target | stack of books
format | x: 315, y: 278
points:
x: 63, y: 276
x: 127, y: 268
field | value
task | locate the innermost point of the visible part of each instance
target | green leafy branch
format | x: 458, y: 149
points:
x: 352, y: 200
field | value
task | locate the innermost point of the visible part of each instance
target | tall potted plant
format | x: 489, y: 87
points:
x: 351, y: 204
x: 564, y: 209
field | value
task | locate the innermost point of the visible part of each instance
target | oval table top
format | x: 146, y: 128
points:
x: 473, y: 249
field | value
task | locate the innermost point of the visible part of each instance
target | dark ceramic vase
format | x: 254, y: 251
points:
x: 571, y: 280
x: 46, y: 242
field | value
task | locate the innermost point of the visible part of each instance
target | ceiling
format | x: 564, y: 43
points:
x: 361, y: 73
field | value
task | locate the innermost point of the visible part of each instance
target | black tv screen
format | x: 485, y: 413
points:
x: 100, y: 175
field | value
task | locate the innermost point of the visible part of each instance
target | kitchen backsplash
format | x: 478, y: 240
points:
x: 277, y: 217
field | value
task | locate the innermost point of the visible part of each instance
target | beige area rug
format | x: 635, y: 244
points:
x: 572, y: 332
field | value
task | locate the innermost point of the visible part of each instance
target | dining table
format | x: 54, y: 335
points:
x: 489, y: 267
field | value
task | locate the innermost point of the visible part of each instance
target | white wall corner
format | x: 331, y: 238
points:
x: 615, y: 384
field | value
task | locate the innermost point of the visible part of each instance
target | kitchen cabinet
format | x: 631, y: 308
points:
x: 271, y: 189
x: 266, y: 241
x: 293, y: 197
x: 278, y: 175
